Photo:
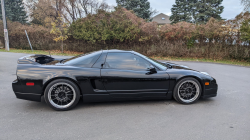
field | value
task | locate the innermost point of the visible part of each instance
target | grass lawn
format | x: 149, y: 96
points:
x: 70, y: 53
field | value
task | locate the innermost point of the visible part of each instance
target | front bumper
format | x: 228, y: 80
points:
x: 210, y: 91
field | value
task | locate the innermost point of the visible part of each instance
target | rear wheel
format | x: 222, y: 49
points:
x: 62, y: 94
x: 187, y: 91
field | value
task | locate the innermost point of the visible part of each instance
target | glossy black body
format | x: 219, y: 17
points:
x: 97, y: 83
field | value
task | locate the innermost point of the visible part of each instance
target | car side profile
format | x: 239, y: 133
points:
x: 108, y: 75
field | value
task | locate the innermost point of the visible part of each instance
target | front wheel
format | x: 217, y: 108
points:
x: 62, y: 94
x: 187, y: 91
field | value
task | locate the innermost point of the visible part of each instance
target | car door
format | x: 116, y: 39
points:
x: 126, y: 75
x: 87, y: 73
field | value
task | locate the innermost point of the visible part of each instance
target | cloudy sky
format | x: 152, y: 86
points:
x: 231, y: 7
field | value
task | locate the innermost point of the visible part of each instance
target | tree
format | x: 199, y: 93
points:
x: 205, y: 9
x: 140, y: 7
x: 181, y: 11
x: 196, y: 11
x: 43, y: 12
x: 245, y: 30
x: 113, y: 27
x: 74, y: 9
x: 15, y: 11
x: 242, y: 21
x: 246, y: 4
x: 59, y: 29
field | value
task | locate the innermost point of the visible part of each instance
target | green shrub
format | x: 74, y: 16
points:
x: 106, y: 27
x: 112, y: 27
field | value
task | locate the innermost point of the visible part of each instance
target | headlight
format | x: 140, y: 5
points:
x: 213, y: 81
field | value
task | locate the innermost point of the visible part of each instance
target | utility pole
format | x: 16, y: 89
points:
x: 6, y: 37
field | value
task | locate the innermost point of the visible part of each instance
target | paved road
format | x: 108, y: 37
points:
x: 226, y: 117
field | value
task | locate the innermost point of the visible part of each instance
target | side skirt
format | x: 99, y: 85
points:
x: 107, y: 97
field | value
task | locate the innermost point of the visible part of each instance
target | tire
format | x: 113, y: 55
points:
x: 62, y: 94
x: 187, y: 91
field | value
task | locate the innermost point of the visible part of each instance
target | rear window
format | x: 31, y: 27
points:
x: 85, y: 60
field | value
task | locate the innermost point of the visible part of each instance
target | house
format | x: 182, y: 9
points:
x: 161, y: 19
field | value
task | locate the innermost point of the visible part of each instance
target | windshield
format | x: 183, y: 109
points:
x: 155, y: 62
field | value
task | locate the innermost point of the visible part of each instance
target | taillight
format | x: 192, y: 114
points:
x: 30, y: 84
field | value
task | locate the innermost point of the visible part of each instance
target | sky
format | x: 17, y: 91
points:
x: 231, y: 7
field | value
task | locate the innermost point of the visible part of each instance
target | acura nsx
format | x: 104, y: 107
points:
x: 108, y: 75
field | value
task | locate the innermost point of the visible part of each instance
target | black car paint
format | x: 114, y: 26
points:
x: 100, y: 84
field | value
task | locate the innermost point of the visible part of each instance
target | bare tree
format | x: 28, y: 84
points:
x: 59, y: 7
x: 246, y: 4
x: 84, y: 4
x: 41, y: 12
x: 44, y: 12
x: 70, y: 10
x: 96, y: 5
x: 75, y: 9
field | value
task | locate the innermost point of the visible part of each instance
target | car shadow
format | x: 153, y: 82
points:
x: 82, y: 104
x: 42, y: 106
x: 124, y: 103
x: 205, y: 100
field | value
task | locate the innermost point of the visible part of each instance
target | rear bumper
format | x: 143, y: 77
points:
x: 28, y: 96
x: 27, y: 93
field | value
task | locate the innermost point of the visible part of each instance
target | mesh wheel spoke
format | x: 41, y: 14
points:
x: 61, y: 95
x: 187, y: 91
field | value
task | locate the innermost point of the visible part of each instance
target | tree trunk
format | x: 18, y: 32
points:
x: 62, y: 46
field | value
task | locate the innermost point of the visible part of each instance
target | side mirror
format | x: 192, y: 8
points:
x: 152, y: 70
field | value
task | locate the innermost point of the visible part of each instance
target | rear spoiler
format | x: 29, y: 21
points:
x: 36, y: 59
x: 28, y: 59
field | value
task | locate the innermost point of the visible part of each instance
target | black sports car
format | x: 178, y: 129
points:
x: 108, y: 75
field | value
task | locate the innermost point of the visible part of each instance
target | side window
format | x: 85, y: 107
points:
x: 100, y: 61
x: 86, y: 60
x: 126, y: 61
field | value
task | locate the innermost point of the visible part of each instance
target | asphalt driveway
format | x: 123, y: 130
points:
x: 225, y: 117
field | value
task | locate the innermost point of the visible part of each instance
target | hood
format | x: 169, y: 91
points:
x: 183, y: 67
x: 175, y: 66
